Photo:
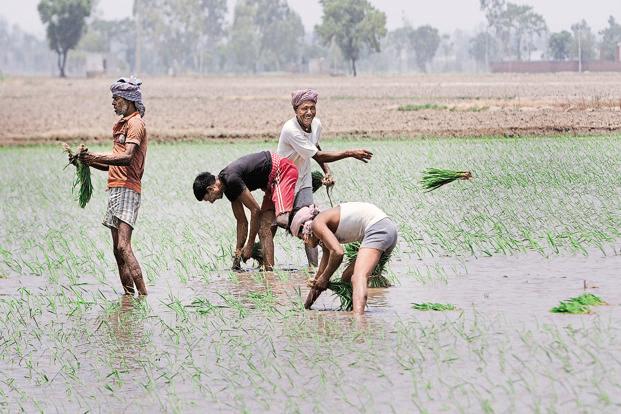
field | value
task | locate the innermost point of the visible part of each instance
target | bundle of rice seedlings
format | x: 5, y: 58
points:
x: 317, y: 180
x: 377, y: 279
x: 82, y: 180
x: 317, y: 177
x: 430, y: 306
x: 579, y: 304
x: 435, y: 177
x: 344, y: 291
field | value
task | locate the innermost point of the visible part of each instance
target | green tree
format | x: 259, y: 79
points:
x: 354, y: 25
x: 244, y: 40
x: 483, y: 48
x: 266, y: 34
x: 584, y: 47
x: 425, y: 42
x: 524, y: 25
x: 65, y: 24
x: 611, y: 36
x: 560, y: 44
x: 184, y: 33
x: 513, y: 25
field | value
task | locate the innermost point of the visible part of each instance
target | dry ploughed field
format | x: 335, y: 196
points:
x: 37, y: 109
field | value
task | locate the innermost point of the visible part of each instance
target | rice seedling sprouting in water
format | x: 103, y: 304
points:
x: 436, y: 177
x: 429, y: 306
x: 82, y: 180
x: 579, y: 304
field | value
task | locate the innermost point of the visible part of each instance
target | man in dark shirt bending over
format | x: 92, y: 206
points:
x: 268, y: 171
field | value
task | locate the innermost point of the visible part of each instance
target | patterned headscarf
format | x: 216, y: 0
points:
x: 297, y: 97
x: 303, y: 218
x: 129, y: 89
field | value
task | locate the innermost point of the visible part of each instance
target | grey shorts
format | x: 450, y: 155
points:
x: 303, y: 198
x: 123, y: 205
x: 381, y: 236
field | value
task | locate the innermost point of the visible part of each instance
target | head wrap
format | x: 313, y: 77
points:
x: 297, y: 97
x: 129, y: 89
x: 303, y: 218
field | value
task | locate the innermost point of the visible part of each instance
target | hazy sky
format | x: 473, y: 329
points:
x: 447, y: 15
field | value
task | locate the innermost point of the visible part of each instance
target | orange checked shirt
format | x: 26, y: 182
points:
x: 129, y: 129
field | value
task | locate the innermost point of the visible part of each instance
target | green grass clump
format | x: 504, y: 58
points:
x: 436, y: 177
x: 579, y: 304
x: 430, y: 306
x: 82, y: 182
x: 421, y: 107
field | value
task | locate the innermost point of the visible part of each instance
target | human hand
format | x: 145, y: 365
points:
x: 86, y: 158
x: 361, y: 154
x: 318, y: 283
x: 328, y: 180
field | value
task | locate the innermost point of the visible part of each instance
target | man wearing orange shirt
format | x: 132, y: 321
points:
x: 125, y: 166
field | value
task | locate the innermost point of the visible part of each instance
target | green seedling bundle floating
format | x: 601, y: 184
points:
x: 82, y: 182
x: 579, y: 304
x: 434, y: 178
x: 378, y: 278
x: 430, y: 306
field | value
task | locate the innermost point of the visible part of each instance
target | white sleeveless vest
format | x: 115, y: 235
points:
x: 356, y: 217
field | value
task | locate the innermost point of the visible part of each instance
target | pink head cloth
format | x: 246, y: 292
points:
x: 297, y: 97
x: 303, y: 218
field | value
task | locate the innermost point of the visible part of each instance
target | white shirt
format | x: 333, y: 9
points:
x: 356, y: 218
x: 300, y: 146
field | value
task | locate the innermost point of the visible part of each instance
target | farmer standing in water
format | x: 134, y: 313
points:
x: 266, y: 170
x: 125, y: 166
x: 345, y: 223
x: 299, y: 142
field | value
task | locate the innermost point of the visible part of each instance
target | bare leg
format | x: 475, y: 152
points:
x: 125, y: 250
x: 126, y: 279
x: 365, y: 263
x: 266, y: 237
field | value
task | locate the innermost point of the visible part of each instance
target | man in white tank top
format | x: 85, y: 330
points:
x: 345, y: 223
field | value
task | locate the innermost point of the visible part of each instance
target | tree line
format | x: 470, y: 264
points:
x: 194, y: 36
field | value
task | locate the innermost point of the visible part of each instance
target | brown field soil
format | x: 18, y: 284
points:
x: 36, y: 110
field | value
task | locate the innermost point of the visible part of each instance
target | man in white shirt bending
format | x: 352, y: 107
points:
x: 299, y: 142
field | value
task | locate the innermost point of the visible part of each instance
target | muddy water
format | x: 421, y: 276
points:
x: 502, y: 349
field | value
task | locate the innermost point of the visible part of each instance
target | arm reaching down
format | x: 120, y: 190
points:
x: 242, y: 231
x: 251, y: 204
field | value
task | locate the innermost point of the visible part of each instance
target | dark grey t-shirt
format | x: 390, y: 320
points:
x: 250, y: 171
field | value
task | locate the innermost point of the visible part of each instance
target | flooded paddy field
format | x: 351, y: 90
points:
x: 540, y: 223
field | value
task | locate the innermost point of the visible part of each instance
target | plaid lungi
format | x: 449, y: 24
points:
x: 123, y: 204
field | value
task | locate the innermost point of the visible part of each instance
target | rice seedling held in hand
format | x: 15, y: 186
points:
x: 344, y: 291
x: 430, y: 306
x: 436, y: 177
x: 318, y: 181
x: 83, y: 175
